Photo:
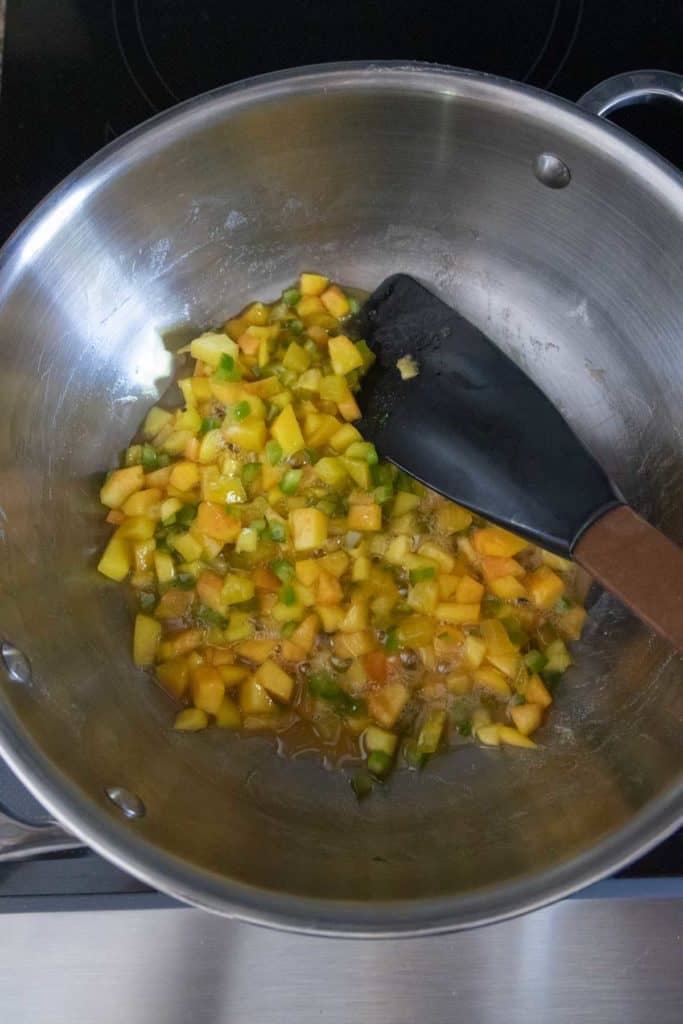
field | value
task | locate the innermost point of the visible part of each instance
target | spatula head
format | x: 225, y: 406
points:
x: 472, y: 425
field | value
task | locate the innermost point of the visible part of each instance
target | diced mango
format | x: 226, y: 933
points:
x: 544, y: 586
x: 254, y: 699
x: 191, y: 720
x: 457, y: 612
x: 386, y: 705
x: 146, y: 637
x: 207, y: 688
x: 365, y: 517
x: 344, y: 355
x: 491, y: 679
x: 275, y: 681
x: 527, y: 717
x: 237, y: 589
x: 493, y: 540
x: 184, y: 476
x: 335, y: 302
x: 313, y: 284
x: 469, y: 591
x: 217, y: 522
x: 210, y: 347
x: 174, y: 676
x: 287, y: 432
x: 120, y: 485
x: 115, y: 562
x: 514, y: 738
x: 309, y: 528
x: 508, y: 588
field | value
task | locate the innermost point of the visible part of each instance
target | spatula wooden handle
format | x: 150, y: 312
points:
x: 640, y: 566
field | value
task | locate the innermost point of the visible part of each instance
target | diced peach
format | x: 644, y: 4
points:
x: 493, y: 540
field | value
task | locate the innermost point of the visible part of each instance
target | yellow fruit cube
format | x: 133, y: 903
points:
x: 313, y: 284
x: 164, y: 566
x: 146, y: 637
x: 174, y: 676
x: 215, y: 521
x: 335, y: 302
x: 309, y: 528
x: 275, y: 680
x: 184, y: 476
x: 258, y: 650
x: 545, y: 587
x: 296, y: 358
x: 249, y: 434
x: 445, y: 561
x: 424, y: 596
x: 527, y: 717
x: 191, y: 720
x: 508, y: 588
x: 190, y: 547
x: 155, y: 421
x: 237, y: 589
x: 513, y: 737
x: 144, y: 503
x: 451, y: 518
x: 493, y: 540
x: 456, y: 612
x: 475, y: 650
x: 536, y: 692
x: 488, y: 735
x: 120, y: 485
x: 469, y: 591
x: 491, y: 678
x: 344, y: 355
x: 331, y: 470
x: 345, y: 436
x: 331, y: 617
x: 207, y: 688
x: 115, y: 562
x: 287, y: 432
x: 254, y: 700
x: 228, y: 715
x: 210, y: 347
x: 386, y: 705
x: 365, y: 518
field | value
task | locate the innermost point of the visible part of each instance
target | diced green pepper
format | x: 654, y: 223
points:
x: 291, y: 296
x: 250, y: 471
x: 183, y: 580
x: 185, y: 515
x: 209, y: 423
x: 283, y: 569
x: 290, y: 481
x: 277, y: 531
x: 273, y: 453
x: 535, y: 661
x: 379, y: 763
x: 211, y: 618
x: 228, y: 369
x: 418, y: 575
x: 150, y: 457
x: 323, y: 686
x: 361, y: 784
x: 241, y: 410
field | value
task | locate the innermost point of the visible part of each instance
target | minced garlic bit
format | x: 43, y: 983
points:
x: 407, y: 367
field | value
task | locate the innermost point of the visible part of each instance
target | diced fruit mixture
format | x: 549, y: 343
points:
x: 289, y: 579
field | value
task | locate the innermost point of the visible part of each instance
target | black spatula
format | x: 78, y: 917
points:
x: 473, y: 426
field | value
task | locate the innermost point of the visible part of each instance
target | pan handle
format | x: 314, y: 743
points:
x: 629, y: 88
x: 19, y: 839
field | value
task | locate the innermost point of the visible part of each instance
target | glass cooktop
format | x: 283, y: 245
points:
x: 79, y: 73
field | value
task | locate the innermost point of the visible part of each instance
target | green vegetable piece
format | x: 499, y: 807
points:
x: 228, y: 369
x: 288, y: 628
x: 147, y: 601
x: 291, y: 296
x: 209, y: 423
x: 379, y: 763
x: 211, y: 618
x: 312, y: 455
x: 241, y: 410
x: 362, y: 784
x: 324, y: 687
x: 381, y: 475
x: 414, y: 757
x: 517, y: 699
x: 273, y: 453
x: 250, y: 471
x: 288, y: 594
x: 150, y: 457
x: 283, y: 569
x: 295, y: 326
x: 277, y: 532
x: 259, y: 525
x: 464, y: 727
x: 561, y: 606
x: 366, y: 353
x: 383, y: 494
x: 163, y: 460
x: 185, y: 515
x: 514, y: 630
x: 535, y: 661
x: 551, y: 678
x: 391, y: 642
x: 290, y: 481
x: 418, y: 575
x: 493, y: 605
x: 183, y: 580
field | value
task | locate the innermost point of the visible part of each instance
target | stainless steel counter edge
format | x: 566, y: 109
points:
x: 585, y: 960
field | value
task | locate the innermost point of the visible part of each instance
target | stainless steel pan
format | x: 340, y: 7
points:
x: 558, y: 234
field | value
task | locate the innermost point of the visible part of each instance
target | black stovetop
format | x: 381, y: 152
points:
x: 78, y: 73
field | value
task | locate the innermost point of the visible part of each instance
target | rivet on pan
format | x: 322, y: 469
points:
x: 130, y: 805
x: 16, y: 663
x: 551, y: 171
